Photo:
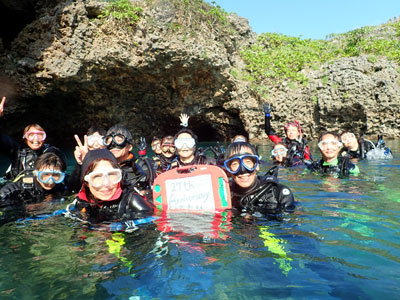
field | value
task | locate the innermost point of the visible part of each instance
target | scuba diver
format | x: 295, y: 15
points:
x: 354, y: 148
x: 384, y: 151
x: 24, y: 155
x: 185, y: 142
x: 156, y: 146
x: 294, y: 140
x: 104, y: 195
x: 331, y: 163
x: 46, y: 180
x: 253, y: 194
x: 363, y: 148
x: 281, y: 156
x: 139, y: 172
x: 94, y: 139
x: 165, y: 160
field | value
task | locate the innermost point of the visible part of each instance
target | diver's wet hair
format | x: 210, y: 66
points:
x: 236, y: 148
x: 37, y: 126
x: 120, y: 129
x: 334, y: 133
x: 169, y: 139
x: 51, y: 160
x: 94, y: 129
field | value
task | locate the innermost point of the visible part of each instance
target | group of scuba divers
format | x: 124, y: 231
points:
x: 112, y: 184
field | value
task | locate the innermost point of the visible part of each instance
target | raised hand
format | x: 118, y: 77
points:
x: 184, y: 120
x: 81, y: 149
x: 3, y: 101
x: 142, y: 143
x: 267, y: 109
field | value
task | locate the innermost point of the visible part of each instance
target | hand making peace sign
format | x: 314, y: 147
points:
x: 81, y: 149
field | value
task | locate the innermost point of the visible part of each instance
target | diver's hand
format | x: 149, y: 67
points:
x: 3, y: 101
x: 267, y: 109
x: 142, y: 143
x: 80, y: 149
x: 184, y: 120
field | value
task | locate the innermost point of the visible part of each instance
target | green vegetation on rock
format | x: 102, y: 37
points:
x: 275, y: 58
x: 122, y: 11
x: 193, y: 16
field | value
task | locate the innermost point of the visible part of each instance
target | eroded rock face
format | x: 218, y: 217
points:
x: 354, y: 94
x: 84, y: 72
x: 68, y: 70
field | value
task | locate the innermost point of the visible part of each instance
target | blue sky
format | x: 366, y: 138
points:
x: 313, y: 19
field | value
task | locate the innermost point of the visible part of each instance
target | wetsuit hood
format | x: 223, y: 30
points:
x: 92, y: 155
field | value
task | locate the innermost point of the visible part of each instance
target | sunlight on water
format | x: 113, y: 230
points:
x: 342, y: 242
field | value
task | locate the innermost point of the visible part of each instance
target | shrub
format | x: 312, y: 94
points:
x: 122, y: 11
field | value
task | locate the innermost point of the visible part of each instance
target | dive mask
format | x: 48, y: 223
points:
x: 31, y: 135
x: 94, y: 138
x: 45, y: 176
x: 332, y: 142
x: 115, y: 140
x: 240, y: 164
x: 97, y: 178
x: 189, y: 142
x: 279, y: 151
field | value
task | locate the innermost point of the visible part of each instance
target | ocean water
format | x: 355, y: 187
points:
x: 342, y: 242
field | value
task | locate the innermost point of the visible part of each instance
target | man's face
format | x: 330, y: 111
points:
x: 330, y: 147
x: 349, y: 140
x: 246, y: 179
x: 121, y: 154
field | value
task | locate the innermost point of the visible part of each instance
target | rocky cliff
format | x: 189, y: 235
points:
x: 65, y: 68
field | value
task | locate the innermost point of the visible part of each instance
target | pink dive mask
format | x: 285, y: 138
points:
x: 295, y: 124
x: 32, y: 134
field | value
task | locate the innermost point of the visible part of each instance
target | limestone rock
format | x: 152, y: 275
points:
x: 67, y: 69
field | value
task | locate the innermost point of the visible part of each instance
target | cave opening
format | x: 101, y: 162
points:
x: 13, y: 18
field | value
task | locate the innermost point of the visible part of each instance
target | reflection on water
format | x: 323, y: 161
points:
x: 342, y: 242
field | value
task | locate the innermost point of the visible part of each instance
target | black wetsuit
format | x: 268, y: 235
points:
x: 265, y: 196
x: 297, y: 150
x: 138, y: 172
x: 163, y: 164
x: 14, y: 196
x: 340, y: 167
x: 199, y: 159
x: 361, y: 153
x: 22, y: 158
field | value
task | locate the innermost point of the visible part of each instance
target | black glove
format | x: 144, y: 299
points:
x: 267, y: 109
x: 142, y: 144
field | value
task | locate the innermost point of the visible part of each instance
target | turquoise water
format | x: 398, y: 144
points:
x: 342, y: 242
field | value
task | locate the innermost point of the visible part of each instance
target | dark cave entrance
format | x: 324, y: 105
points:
x: 205, y: 132
x: 13, y: 18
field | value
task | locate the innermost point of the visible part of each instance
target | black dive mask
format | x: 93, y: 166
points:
x: 115, y: 141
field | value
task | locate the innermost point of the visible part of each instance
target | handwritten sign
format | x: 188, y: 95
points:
x: 192, y: 193
x: 192, y: 188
